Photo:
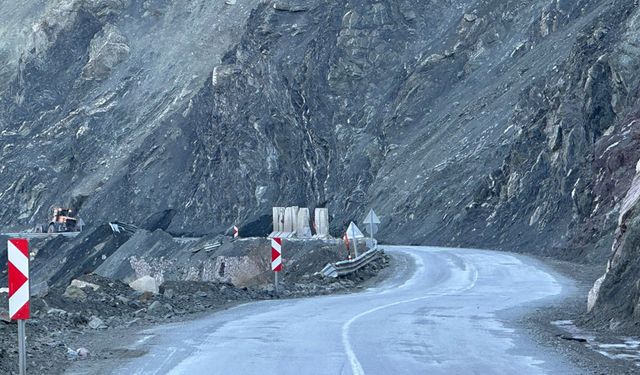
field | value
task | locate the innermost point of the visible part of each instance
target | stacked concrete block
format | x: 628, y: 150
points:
x: 296, y: 220
x: 321, y: 220
x: 296, y: 209
x: 278, y: 219
x: 290, y: 219
x: 303, y: 230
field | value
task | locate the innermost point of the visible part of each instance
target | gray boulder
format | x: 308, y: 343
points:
x: 145, y: 284
x: 75, y: 293
x: 155, y: 308
x: 107, y: 49
x: 96, y: 323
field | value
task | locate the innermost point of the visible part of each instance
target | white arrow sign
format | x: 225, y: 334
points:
x: 371, y: 218
x: 353, y: 232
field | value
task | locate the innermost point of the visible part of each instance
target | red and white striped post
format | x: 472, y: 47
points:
x: 276, y: 258
x: 345, y: 238
x: 18, y: 272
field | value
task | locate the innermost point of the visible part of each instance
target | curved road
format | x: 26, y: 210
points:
x: 446, y: 311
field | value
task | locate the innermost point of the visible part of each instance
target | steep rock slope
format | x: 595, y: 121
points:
x: 98, y: 93
x: 514, y: 164
x: 478, y: 123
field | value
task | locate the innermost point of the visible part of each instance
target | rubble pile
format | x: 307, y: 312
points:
x: 152, y: 286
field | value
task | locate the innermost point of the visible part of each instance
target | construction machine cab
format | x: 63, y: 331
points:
x: 63, y: 221
x: 60, y: 213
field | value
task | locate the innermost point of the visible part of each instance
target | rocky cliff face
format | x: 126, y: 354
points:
x: 98, y: 111
x: 614, y: 299
x: 502, y: 124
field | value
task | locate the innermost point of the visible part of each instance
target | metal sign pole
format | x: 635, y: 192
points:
x: 355, y: 246
x: 371, y: 231
x: 22, y: 348
x: 276, y: 281
x: 372, y: 220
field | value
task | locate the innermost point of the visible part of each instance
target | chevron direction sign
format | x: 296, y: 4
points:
x: 276, y: 254
x: 18, y: 252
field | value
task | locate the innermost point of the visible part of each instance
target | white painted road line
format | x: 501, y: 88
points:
x: 453, y: 312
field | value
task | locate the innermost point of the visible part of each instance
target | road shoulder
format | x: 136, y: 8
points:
x: 538, y: 324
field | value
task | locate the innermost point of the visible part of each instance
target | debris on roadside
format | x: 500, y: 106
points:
x: 80, y: 302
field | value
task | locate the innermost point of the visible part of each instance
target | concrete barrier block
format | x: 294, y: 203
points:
x: 290, y: 219
x: 278, y: 219
x: 303, y: 230
x: 321, y: 220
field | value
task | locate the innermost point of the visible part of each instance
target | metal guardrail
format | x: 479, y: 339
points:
x: 39, y: 235
x: 186, y: 240
x: 346, y: 267
x: 207, y: 247
x: 118, y: 227
x: 282, y: 235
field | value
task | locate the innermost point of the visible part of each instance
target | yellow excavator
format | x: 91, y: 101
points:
x: 62, y: 221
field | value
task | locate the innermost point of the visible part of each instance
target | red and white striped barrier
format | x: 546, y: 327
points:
x: 18, y: 252
x: 276, y: 254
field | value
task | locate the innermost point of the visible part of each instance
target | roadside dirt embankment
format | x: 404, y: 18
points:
x: 82, y: 285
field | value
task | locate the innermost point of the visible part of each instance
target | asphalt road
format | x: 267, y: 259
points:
x: 445, y: 311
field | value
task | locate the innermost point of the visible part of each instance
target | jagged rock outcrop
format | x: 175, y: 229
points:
x: 615, y: 297
x: 108, y: 49
x: 501, y: 124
